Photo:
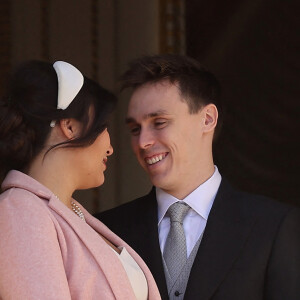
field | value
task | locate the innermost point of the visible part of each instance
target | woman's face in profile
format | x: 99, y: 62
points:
x: 92, y: 161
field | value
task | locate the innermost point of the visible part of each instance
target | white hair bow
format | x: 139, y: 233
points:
x: 70, y: 82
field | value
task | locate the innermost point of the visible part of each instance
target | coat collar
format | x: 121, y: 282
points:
x: 17, y: 179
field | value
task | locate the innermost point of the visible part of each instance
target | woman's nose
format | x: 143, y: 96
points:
x: 110, y: 151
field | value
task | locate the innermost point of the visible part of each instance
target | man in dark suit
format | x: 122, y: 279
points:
x: 238, y: 246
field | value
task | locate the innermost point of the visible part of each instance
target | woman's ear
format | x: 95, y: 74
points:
x: 70, y: 128
x: 210, y: 117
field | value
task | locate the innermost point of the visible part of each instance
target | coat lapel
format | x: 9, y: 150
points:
x: 104, y: 256
x: 136, y: 223
x: 226, y: 232
x: 107, y: 233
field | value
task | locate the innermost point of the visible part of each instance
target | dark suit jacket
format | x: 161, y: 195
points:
x: 250, y: 248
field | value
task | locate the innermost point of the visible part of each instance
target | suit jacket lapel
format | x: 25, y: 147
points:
x: 148, y: 247
x: 226, y: 232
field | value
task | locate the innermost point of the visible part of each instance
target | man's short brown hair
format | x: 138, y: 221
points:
x: 198, y: 86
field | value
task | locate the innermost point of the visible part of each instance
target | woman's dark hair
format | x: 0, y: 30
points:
x: 30, y: 105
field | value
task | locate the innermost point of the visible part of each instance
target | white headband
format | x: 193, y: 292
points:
x: 70, y: 82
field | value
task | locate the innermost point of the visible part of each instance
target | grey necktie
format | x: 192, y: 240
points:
x: 175, y: 253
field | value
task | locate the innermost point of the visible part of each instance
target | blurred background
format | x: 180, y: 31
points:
x: 252, y: 46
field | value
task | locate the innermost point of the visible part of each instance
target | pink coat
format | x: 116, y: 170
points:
x: 48, y: 252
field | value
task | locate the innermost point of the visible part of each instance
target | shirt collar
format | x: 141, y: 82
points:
x: 200, y: 200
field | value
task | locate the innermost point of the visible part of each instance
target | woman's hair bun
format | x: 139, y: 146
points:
x: 16, y: 137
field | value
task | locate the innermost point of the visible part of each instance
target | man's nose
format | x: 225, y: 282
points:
x: 146, y: 139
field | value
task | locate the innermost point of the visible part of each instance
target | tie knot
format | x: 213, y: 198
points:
x: 177, y: 211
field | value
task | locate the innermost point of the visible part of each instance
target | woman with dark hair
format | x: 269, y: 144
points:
x: 53, y: 141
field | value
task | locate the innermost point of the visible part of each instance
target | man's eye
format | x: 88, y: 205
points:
x: 160, y: 124
x: 135, y: 130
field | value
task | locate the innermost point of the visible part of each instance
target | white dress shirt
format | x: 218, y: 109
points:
x: 200, y: 200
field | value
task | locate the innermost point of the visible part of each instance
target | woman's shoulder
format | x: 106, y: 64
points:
x: 24, y: 207
x: 16, y: 197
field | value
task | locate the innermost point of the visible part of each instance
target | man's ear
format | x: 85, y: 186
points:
x: 210, y: 117
x: 70, y: 128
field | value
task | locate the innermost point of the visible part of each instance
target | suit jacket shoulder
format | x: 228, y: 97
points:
x: 131, y: 212
x: 239, y: 256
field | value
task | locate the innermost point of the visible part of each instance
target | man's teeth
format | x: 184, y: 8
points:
x: 155, y: 159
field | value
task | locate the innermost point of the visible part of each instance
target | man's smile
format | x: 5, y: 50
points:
x: 155, y: 158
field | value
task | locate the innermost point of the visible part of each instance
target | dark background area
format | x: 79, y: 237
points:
x: 253, y: 46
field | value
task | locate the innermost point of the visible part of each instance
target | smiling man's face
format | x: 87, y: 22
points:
x: 165, y: 137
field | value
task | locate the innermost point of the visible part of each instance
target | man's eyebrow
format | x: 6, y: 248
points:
x: 147, y: 116
x: 129, y: 120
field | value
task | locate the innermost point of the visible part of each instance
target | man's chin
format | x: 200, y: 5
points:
x: 159, y: 181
